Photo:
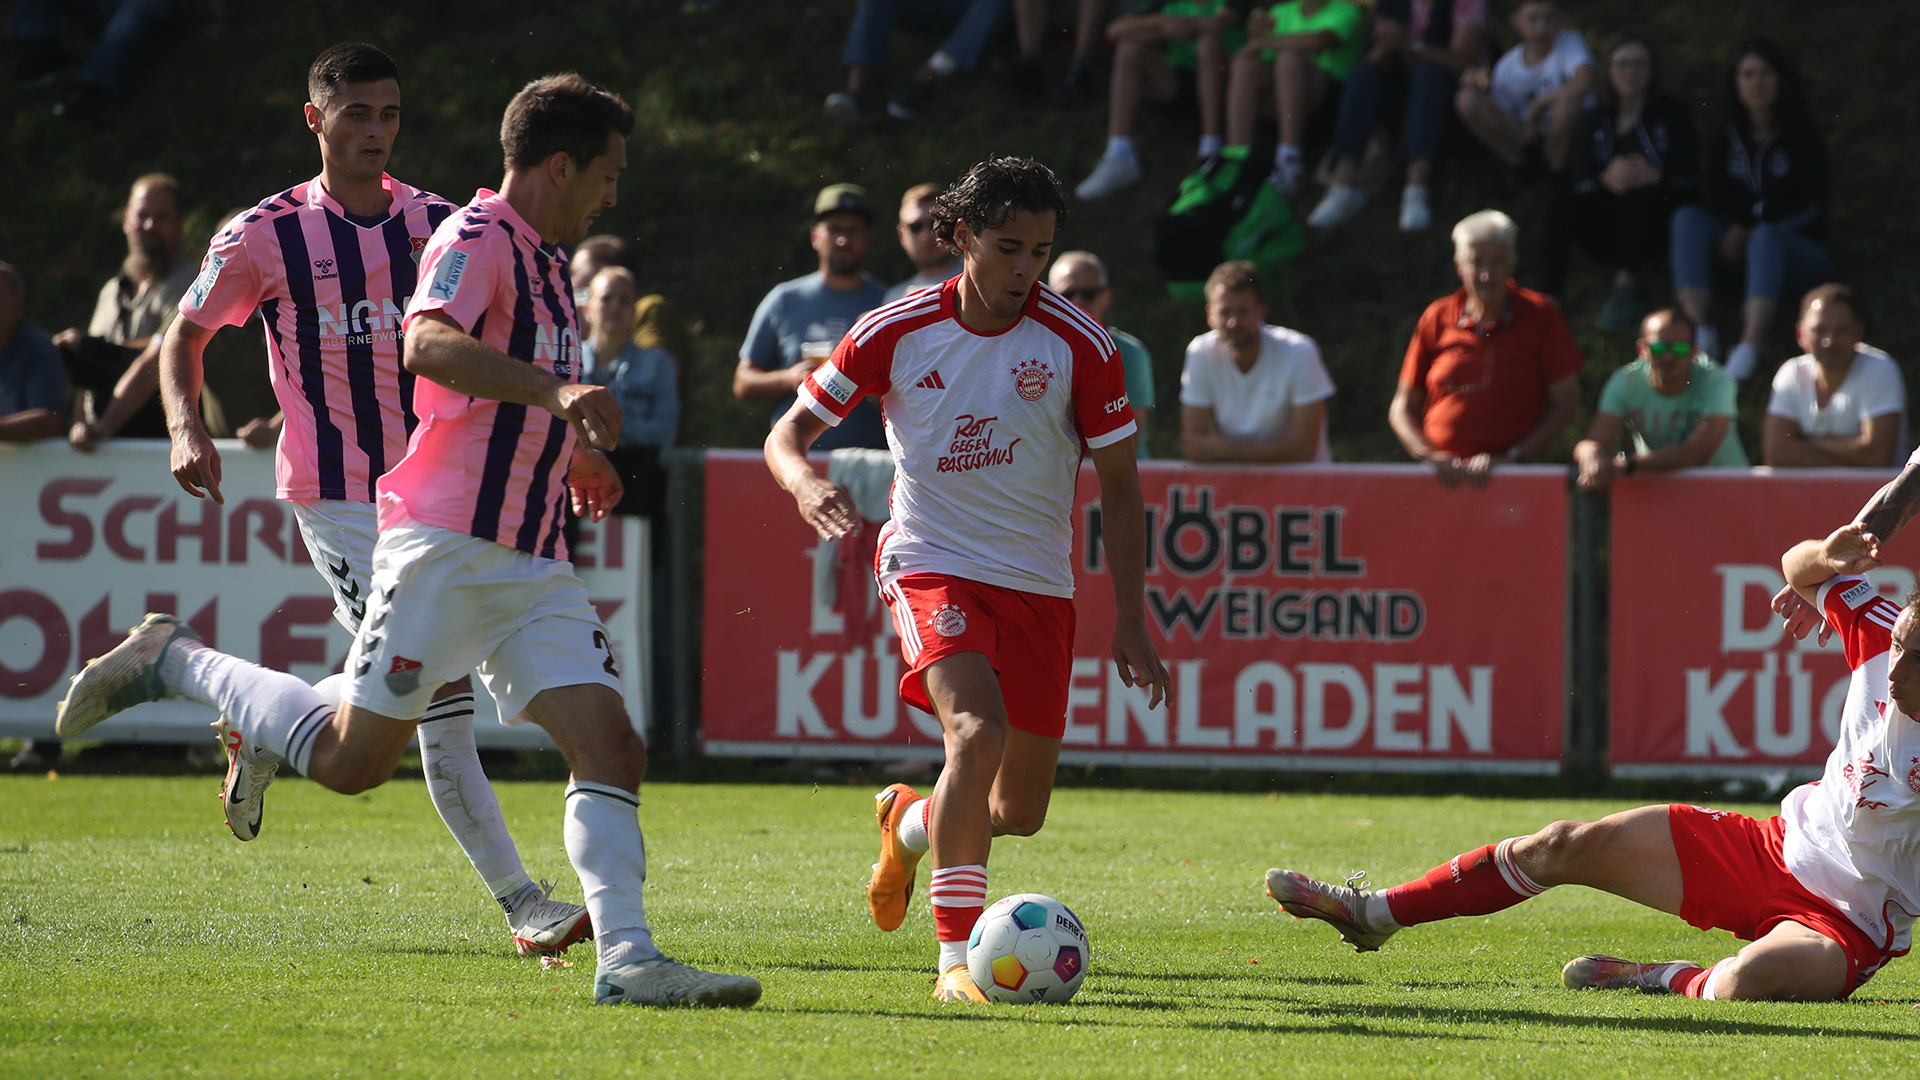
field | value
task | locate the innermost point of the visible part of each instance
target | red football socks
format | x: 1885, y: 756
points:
x: 1479, y: 882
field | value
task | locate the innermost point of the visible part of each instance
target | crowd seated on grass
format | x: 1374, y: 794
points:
x: 1527, y: 109
x: 1302, y: 50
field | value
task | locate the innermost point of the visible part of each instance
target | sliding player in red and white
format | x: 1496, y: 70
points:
x: 994, y: 387
x: 1826, y: 891
x: 345, y: 243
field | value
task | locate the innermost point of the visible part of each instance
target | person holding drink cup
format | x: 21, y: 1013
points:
x: 799, y: 322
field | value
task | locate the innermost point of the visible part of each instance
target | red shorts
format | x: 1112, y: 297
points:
x: 1027, y: 637
x: 1734, y: 878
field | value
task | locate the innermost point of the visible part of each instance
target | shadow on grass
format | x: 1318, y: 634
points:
x: 828, y: 965
x: 1346, y: 1028
x: 1679, y: 1025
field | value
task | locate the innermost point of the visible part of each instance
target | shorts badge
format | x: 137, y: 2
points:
x: 949, y: 621
x: 403, y: 677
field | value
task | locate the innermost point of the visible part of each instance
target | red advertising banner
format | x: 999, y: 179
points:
x: 1350, y: 617
x: 1705, y: 682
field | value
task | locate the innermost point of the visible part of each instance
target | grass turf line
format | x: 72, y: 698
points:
x: 353, y: 938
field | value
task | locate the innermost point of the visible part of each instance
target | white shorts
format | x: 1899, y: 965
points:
x: 444, y: 603
x: 340, y: 536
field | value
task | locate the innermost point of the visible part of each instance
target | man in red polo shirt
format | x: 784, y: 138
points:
x: 1490, y: 372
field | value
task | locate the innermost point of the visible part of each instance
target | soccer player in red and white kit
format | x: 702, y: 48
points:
x: 331, y: 264
x: 470, y: 568
x: 994, y: 387
x: 1826, y: 891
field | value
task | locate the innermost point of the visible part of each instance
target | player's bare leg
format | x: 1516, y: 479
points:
x: 1024, y: 786
x: 1790, y: 963
x: 589, y: 723
x: 965, y: 693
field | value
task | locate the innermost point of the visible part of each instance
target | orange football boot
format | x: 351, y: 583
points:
x: 892, y: 883
x: 956, y: 984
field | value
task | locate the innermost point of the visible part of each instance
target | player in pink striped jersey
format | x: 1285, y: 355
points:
x: 994, y: 388
x: 330, y: 264
x: 469, y: 569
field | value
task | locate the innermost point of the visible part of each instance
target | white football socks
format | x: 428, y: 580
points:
x: 272, y: 710
x: 913, y: 827
x: 1120, y: 147
x: 465, y: 799
x: 952, y: 953
x: 604, y: 842
x: 1378, y: 914
x: 1210, y: 145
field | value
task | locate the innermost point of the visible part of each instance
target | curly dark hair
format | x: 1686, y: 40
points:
x: 1791, y: 109
x: 992, y: 191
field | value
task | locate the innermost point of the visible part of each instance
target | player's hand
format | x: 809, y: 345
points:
x: 196, y: 464
x: 592, y: 411
x: 1851, y: 550
x: 1800, y: 616
x: 828, y: 508
x: 1138, y: 663
x: 593, y: 483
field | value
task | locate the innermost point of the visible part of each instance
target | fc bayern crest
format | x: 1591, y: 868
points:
x: 949, y: 621
x: 1913, y: 776
x: 1031, y: 379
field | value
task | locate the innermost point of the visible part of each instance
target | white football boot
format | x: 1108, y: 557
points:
x: 543, y: 926
x: 665, y: 981
x: 126, y: 676
x: 249, y: 770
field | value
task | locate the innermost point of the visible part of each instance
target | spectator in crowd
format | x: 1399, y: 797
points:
x: 643, y: 382
x: 658, y: 323
x: 1158, y: 51
x: 1306, y: 48
x: 594, y: 254
x: 799, y: 322
x: 1766, y: 205
x: 124, y: 26
x: 1251, y: 391
x: 1677, y: 404
x: 1634, y: 161
x: 115, y: 364
x: 1030, y: 27
x: 1490, y: 374
x: 1529, y: 108
x: 1407, y: 80
x: 968, y: 24
x: 33, y: 388
x: 1081, y: 277
x: 1843, y: 403
x: 933, y: 262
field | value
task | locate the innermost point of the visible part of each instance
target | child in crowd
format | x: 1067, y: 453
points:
x: 1531, y: 105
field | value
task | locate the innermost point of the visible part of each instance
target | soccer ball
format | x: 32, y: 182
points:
x: 1028, y: 948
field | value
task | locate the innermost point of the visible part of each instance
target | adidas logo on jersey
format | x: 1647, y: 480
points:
x: 931, y: 382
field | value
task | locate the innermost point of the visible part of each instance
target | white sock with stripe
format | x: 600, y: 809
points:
x: 958, y: 895
x: 271, y: 710
x: 465, y: 799
x: 608, y: 852
x: 913, y: 827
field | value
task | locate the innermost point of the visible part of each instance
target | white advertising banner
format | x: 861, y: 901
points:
x: 91, y: 542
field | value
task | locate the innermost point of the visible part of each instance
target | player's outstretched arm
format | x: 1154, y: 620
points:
x: 825, y: 505
x: 437, y: 349
x: 1884, y: 515
x: 196, y: 464
x: 1810, y: 563
x: 1123, y: 532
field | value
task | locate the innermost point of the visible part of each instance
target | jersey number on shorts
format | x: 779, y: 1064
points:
x: 600, y: 642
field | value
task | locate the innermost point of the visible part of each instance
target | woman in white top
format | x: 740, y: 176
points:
x: 1843, y: 403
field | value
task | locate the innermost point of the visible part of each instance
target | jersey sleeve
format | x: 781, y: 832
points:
x: 851, y: 373
x: 1786, y: 397
x: 1886, y: 392
x: 1311, y: 382
x: 1613, y: 396
x: 1101, y: 407
x: 1193, y: 382
x: 1859, y: 615
x: 228, y: 288
x: 459, y: 276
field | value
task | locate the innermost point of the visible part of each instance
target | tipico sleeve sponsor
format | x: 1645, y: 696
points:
x: 1101, y: 408
x: 456, y: 277
x: 227, y: 290
x: 1861, y: 617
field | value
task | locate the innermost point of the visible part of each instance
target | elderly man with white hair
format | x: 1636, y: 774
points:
x: 1490, y: 374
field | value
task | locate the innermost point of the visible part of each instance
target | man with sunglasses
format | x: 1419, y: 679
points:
x: 932, y: 263
x: 1678, y: 404
x: 1081, y: 277
x: 799, y: 322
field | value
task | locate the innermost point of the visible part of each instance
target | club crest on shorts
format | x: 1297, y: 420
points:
x: 949, y: 621
x: 1031, y: 378
x: 403, y: 677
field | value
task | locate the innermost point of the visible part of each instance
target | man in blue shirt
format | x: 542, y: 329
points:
x: 798, y: 323
x: 33, y: 387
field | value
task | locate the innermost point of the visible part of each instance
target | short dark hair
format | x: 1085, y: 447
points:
x: 614, y: 249
x: 1232, y: 275
x: 1791, y: 109
x: 1672, y: 315
x: 1827, y: 294
x: 347, y: 62
x: 992, y: 191
x: 1609, y: 100
x: 561, y: 114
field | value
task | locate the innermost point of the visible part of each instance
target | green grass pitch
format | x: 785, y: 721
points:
x: 352, y: 939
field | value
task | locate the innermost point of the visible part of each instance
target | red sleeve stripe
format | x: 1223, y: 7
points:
x: 907, y: 307
x: 1056, y: 304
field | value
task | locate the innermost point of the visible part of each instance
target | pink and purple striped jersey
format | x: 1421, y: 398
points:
x: 492, y: 469
x: 332, y: 291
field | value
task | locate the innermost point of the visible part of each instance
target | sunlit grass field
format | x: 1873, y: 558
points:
x: 352, y: 939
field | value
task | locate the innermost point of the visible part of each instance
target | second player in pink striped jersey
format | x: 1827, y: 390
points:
x: 492, y: 469
x: 333, y: 291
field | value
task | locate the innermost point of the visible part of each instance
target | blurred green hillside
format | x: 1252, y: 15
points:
x: 732, y: 142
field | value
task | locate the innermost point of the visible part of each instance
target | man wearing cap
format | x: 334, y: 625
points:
x: 800, y: 321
